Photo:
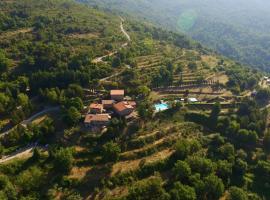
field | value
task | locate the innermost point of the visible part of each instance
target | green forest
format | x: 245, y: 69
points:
x: 237, y: 29
x: 195, y: 124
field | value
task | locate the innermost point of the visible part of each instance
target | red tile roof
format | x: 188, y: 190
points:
x: 121, y: 106
x: 100, y: 118
x: 96, y: 106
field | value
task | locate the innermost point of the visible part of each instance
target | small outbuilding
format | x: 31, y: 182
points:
x: 98, y: 120
x: 192, y: 100
x: 117, y: 95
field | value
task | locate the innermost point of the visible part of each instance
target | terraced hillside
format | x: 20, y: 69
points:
x: 59, y: 58
x: 175, y: 71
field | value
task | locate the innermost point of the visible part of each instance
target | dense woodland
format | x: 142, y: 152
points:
x: 47, y: 49
x: 238, y: 29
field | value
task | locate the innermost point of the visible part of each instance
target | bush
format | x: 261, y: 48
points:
x: 182, y: 192
x: 110, y: 152
x: 148, y: 189
x: 197, y: 118
x: 63, y: 159
x: 236, y: 193
x: 181, y: 170
x: 31, y: 179
x: 213, y: 187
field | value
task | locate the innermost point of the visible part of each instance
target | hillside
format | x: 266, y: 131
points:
x: 97, y: 106
x: 237, y: 29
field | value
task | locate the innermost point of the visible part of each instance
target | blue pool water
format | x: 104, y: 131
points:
x: 161, y: 107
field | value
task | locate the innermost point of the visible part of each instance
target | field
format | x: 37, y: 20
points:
x: 149, y: 145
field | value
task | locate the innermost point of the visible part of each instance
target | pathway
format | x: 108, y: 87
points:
x: 32, y: 118
x: 123, y: 30
x: 22, y: 153
x: 100, y: 59
x: 28, y: 151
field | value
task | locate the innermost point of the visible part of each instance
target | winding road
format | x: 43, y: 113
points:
x: 22, y: 153
x: 28, y: 151
x: 100, y: 59
x: 32, y: 118
x: 124, y: 31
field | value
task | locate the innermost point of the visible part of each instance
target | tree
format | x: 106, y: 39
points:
x: 72, y: 116
x: 182, y: 192
x: 111, y: 152
x: 63, y: 159
x: 23, y: 83
x: 223, y: 124
x: 145, y: 110
x: 162, y: 78
x: 30, y: 179
x: 74, y: 90
x: 182, y: 149
x: 116, y: 62
x: 5, y: 63
x: 213, y: 118
x: 181, y: 170
x: 47, y: 130
x: 23, y: 100
x: 74, y: 102
x: 240, y: 167
x: 262, y: 178
x: 1, y: 150
x: 201, y: 165
x: 263, y: 95
x: 236, y: 193
x: 226, y: 152
x: 246, y: 137
x: 73, y: 196
x: 179, y: 68
x: 36, y: 154
x: 4, y: 103
x: 51, y: 96
x: 150, y: 189
x: 192, y: 66
x: 143, y: 90
x: 213, y: 187
x: 224, y: 170
x: 266, y: 142
x: 7, y: 190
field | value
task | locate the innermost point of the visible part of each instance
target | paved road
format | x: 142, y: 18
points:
x: 32, y: 118
x: 28, y: 151
x: 109, y: 77
x: 37, y: 115
x: 19, y: 154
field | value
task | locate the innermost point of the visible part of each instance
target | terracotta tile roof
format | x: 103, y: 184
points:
x: 117, y: 92
x: 96, y: 106
x: 121, y: 106
x: 100, y: 118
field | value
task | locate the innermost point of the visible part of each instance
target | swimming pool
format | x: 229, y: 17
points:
x: 161, y: 107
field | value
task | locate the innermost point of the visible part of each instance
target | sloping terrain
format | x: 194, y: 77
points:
x: 237, y: 29
x: 58, y: 56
